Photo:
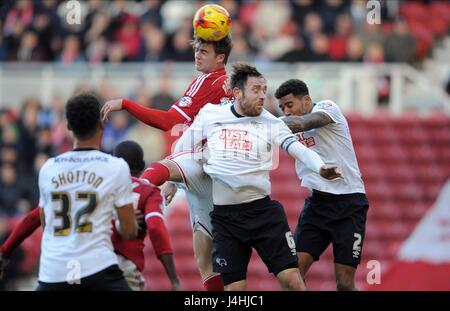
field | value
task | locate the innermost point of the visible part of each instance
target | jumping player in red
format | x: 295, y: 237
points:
x: 148, y: 201
x: 210, y: 87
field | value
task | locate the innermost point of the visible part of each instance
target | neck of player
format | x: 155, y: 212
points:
x: 238, y: 108
x: 92, y: 142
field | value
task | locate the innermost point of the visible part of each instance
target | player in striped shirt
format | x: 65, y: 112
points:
x: 130, y: 253
x: 241, y: 139
x: 212, y: 86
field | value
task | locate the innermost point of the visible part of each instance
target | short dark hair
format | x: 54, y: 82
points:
x: 83, y: 115
x: 241, y: 73
x: 133, y: 154
x: 295, y: 86
x: 223, y: 46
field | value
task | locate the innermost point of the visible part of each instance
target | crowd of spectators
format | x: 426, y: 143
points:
x: 158, y: 31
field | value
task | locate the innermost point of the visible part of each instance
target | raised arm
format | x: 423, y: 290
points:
x: 160, y: 119
x: 287, y: 141
x: 307, y: 122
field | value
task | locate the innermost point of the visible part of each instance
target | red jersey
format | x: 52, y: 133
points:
x: 149, y: 200
x: 212, y: 88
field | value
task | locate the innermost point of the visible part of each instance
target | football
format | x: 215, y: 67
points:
x: 212, y: 23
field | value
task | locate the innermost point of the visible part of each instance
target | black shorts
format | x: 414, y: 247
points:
x: 260, y: 224
x: 337, y: 219
x: 109, y: 279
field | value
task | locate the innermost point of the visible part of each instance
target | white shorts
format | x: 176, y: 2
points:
x: 198, y: 187
x: 131, y: 273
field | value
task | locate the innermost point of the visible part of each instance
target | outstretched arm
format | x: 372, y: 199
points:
x: 160, y: 119
x: 310, y: 158
x: 307, y: 122
x: 23, y: 230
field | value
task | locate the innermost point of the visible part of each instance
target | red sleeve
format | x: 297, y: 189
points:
x: 156, y: 227
x: 23, y: 230
x: 160, y: 119
x: 208, y: 88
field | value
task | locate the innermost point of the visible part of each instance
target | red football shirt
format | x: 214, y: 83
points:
x: 149, y: 201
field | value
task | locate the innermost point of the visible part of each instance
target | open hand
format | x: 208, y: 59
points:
x: 330, y: 171
x: 110, y: 106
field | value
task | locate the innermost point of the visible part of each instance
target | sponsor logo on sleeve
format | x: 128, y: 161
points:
x: 324, y: 105
x: 185, y: 101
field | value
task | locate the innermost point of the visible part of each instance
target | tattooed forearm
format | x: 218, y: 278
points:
x: 307, y: 122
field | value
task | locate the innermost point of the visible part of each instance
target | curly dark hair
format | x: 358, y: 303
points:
x: 241, y: 73
x: 223, y: 46
x: 83, y: 115
x: 295, y: 86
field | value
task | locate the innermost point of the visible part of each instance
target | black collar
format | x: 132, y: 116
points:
x: 85, y: 149
x: 237, y: 115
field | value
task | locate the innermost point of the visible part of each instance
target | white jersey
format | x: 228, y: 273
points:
x: 78, y: 192
x: 334, y: 145
x: 240, y: 151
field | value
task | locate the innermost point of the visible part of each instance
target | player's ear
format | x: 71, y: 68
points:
x: 220, y: 58
x: 236, y: 92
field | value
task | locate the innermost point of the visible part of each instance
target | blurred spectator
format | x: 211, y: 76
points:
x: 374, y: 53
x: 355, y: 49
x: 21, y: 14
x: 115, y: 131
x: 152, y: 12
x: 97, y: 23
x: 181, y: 46
x: 2, y: 45
x: 96, y: 50
x: 397, y: 41
x: 319, y: 48
x: 298, y: 53
x: 153, y: 48
x: 152, y: 141
x: 241, y: 50
x: 28, y: 130
x: 116, y: 53
x: 301, y: 8
x: 45, y: 32
x: 276, y: 11
x: 29, y: 49
x: 358, y: 13
x: 330, y: 10
x: 71, y: 52
x: 14, y: 197
x: 156, y: 30
x: 175, y: 12
x: 8, y: 154
x: 163, y: 99
x: 60, y: 136
x: 129, y: 36
x: 338, y: 41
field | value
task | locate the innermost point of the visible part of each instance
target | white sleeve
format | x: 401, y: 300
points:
x: 287, y: 141
x: 194, y: 135
x: 308, y: 157
x: 42, y: 194
x: 123, y: 193
x: 330, y: 108
x: 282, y: 135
